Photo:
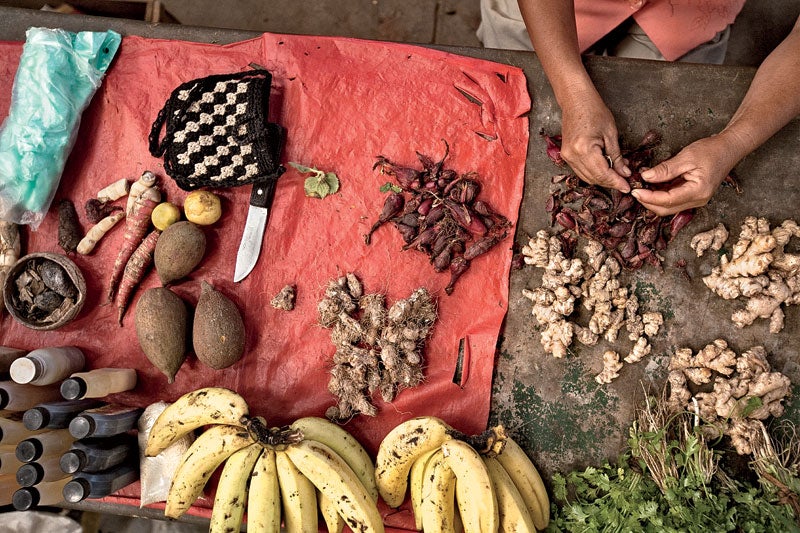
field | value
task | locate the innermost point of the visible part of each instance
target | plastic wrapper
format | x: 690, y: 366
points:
x: 155, y: 473
x: 58, y: 74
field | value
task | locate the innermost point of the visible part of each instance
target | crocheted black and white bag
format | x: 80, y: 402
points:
x: 217, y: 134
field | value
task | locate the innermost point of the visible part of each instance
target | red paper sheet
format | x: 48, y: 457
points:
x: 343, y: 102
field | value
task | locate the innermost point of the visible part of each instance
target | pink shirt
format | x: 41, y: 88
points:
x: 674, y: 26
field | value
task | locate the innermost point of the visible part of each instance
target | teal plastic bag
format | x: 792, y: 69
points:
x: 58, y: 74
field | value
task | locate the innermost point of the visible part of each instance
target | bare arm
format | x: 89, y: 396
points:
x: 588, y: 129
x: 772, y: 100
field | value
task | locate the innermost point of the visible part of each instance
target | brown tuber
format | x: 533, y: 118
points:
x: 218, y: 334
x: 161, y: 327
x: 179, y: 250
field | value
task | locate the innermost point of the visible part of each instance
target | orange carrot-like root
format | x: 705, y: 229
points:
x: 137, y: 224
x: 135, y: 270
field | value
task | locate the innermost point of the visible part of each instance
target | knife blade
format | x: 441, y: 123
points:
x: 257, y: 215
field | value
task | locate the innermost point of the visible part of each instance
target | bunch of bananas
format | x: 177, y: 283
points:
x: 287, y: 473
x: 453, y: 485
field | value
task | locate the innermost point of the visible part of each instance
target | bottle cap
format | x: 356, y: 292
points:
x: 25, y: 499
x: 72, y: 461
x: 36, y: 418
x: 29, y: 474
x: 29, y: 450
x: 75, y: 490
x: 73, y: 388
x: 81, y: 426
x: 25, y: 369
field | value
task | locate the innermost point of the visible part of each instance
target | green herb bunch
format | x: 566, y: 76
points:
x: 669, y: 479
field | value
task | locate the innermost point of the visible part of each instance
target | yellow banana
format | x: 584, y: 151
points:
x: 514, y: 514
x: 344, y: 444
x: 528, y: 481
x: 298, y: 495
x: 231, y: 496
x: 264, y: 498
x: 398, y: 451
x: 333, y: 520
x: 438, y: 507
x: 336, y: 480
x: 415, y: 482
x: 203, y: 407
x: 475, y: 496
x: 205, y: 454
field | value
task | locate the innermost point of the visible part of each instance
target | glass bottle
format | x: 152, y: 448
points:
x: 94, y: 455
x: 22, y: 396
x: 100, y: 484
x: 55, y: 415
x: 104, y: 421
x: 43, y: 470
x: 47, y: 365
x: 48, y: 443
x: 47, y: 493
x: 98, y: 383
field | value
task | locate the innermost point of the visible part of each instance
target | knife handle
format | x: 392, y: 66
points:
x: 263, y: 192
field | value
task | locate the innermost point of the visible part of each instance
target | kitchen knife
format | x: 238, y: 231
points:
x: 257, y: 214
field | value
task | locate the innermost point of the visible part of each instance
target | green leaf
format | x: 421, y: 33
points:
x: 753, y: 403
x: 386, y: 187
x: 320, y: 184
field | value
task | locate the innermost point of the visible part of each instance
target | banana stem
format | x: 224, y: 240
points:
x: 490, y: 442
x: 275, y: 436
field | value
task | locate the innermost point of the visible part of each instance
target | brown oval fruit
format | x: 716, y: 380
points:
x: 161, y: 327
x: 179, y: 250
x: 218, y: 333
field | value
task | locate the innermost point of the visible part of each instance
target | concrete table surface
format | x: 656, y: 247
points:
x: 560, y: 415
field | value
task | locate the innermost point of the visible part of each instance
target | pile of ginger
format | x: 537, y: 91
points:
x: 759, y: 270
x: 744, y: 391
x: 594, y: 283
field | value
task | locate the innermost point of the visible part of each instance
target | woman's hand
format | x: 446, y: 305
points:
x: 589, y: 142
x: 690, y: 178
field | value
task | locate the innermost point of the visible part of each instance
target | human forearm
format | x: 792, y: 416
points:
x: 551, y: 26
x: 772, y: 100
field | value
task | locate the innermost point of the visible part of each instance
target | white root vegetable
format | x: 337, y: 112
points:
x: 97, y: 232
x: 114, y: 191
x: 145, y: 182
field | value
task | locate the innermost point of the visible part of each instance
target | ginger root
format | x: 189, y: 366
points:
x: 594, y: 283
x: 611, y: 368
x: 712, y: 239
x: 759, y: 270
x: 745, y: 390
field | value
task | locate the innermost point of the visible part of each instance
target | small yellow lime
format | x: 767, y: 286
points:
x: 164, y: 215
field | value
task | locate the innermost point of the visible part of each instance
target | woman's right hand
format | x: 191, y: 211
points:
x: 588, y: 135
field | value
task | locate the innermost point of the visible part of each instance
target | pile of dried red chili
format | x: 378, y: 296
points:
x: 437, y: 212
x: 625, y: 228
